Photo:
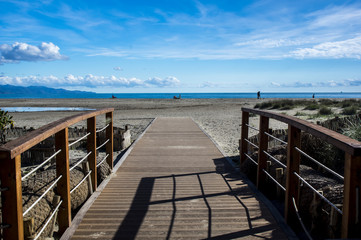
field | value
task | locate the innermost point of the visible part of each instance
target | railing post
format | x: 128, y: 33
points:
x: 109, y: 135
x: 351, y: 217
x: 63, y: 186
x: 91, y: 146
x: 12, y: 202
x: 293, y: 165
x: 244, y: 135
x: 263, y: 146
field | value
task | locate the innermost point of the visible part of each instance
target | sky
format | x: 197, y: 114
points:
x: 142, y: 46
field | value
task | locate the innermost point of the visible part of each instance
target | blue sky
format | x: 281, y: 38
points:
x: 182, y: 46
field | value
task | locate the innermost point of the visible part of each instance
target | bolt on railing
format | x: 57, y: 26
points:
x: 351, y: 214
x: 10, y: 170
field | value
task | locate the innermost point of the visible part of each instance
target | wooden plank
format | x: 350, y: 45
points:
x: 349, y: 145
x: 109, y: 135
x: 173, y: 198
x: 63, y: 186
x: 293, y: 165
x: 263, y: 146
x: 91, y: 147
x: 12, y: 205
x: 24, y: 143
x: 352, y: 186
x: 244, y: 135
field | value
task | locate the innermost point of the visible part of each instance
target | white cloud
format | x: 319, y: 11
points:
x: 275, y: 84
x: 166, y: 82
x: 350, y: 48
x: 118, y: 69
x: 26, y: 52
x: 336, y: 16
x: 331, y: 83
x: 208, y: 84
x: 270, y: 43
x: 89, y: 80
x: 259, y: 30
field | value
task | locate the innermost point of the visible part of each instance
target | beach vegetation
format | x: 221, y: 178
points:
x: 264, y: 105
x: 351, y: 110
x: 350, y: 102
x: 5, y: 122
x: 328, y: 102
x: 301, y: 114
x: 284, y: 104
x: 325, y: 111
x: 353, y: 129
x: 312, y: 106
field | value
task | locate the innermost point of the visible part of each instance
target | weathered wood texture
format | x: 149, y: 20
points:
x: 109, y: 135
x: 91, y: 147
x: 244, y: 135
x: 24, y: 143
x: 293, y: 166
x: 10, y: 170
x: 12, y: 206
x: 351, y: 215
x: 263, y: 146
x: 176, y: 184
x: 349, y: 145
x: 352, y: 182
x: 63, y: 186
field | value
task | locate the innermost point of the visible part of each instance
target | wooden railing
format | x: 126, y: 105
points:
x: 10, y: 168
x: 351, y: 213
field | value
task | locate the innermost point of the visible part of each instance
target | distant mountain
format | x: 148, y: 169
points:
x: 10, y: 89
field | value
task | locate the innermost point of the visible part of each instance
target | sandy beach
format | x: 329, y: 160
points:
x: 220, y: 118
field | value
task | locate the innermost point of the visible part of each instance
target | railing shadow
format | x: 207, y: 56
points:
x: 138, y: 209
x: 142, y: 201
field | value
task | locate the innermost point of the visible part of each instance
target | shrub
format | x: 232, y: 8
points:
x: 287, y: 107
x: 327, y: 102
x: 276, y: 105
x: 348, y: 103
x: 353, y: 130
x: 265, y: 105
x: 352, y: 110
x: 284, y: 104
x: 5, y: 122
x: 324, y: 111
x: 312, y: 106
x: 322, y: 151
x: 300, y: 114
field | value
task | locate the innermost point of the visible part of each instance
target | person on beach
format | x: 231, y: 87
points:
x: 258, y: 95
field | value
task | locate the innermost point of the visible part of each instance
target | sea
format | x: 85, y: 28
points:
x: 264, y: 95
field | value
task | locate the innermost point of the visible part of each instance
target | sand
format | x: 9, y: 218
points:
x: 220, y: 118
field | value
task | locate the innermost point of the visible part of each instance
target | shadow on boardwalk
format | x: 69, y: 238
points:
x: 142, y: 201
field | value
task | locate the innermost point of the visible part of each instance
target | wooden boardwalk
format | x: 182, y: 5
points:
x: 175, y: 184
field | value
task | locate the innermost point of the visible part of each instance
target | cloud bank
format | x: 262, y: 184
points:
x: 166, y: 82
x: 350, y: 48
x: 90, y: 81
x: 298, y: 84
x: 25, y: 52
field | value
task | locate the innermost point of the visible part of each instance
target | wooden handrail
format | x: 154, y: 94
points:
x: 342, y: 142
x: 24, y: 143
x: 10, y: 167
x: 352, y: 176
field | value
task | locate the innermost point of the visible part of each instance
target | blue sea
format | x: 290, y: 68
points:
x: 190, y: 95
